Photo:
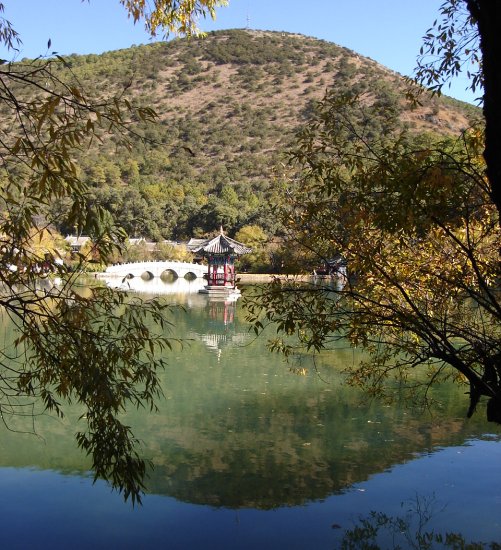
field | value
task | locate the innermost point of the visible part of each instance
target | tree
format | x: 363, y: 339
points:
x: 100, y: 350
x: 216, y: 213
x: 414, y: 221
x: 256, y: 239
x: 467, y: 35
x: 178, y: 16
x: 166, y: 251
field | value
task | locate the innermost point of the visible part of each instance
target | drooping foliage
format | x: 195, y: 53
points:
x: 413, y: 221
x: 178, y: 16
x: 416, y: 222
x: 99, y: 349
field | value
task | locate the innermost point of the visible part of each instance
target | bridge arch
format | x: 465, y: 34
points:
x: 169, y: 275
x: 147, y: 276
x: 190, y: 276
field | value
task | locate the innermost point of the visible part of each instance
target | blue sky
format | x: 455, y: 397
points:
x: 388, y: 31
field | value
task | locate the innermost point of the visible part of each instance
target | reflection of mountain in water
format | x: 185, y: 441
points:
x: 237, y: 429
x: 288, y: 449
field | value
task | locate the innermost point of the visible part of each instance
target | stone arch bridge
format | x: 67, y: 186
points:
x: 149, y: 270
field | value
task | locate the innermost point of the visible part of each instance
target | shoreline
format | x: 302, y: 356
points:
x: 268, y: 277
x: 241, y: 277
x: 244, y: 277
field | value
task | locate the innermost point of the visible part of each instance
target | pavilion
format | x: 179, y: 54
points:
x: 221, y: 252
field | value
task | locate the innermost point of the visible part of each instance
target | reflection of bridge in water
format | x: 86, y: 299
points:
x: 156, y: 286
x: 164, y: 269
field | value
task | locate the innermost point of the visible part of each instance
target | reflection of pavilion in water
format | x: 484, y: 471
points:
x: 222, y: 310
x: 220, y: 331
x: 221, y: 326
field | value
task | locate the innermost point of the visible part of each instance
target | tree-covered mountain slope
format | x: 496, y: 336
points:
x: 228, y: 108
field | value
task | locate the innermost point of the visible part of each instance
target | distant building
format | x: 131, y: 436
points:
x: 76, y: 243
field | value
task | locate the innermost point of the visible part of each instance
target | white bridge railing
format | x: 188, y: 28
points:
x: 157, y: 269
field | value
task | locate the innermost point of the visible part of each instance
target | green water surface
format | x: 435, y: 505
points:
x: 238, y: 433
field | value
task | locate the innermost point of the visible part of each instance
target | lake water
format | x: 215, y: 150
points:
x: 250, y: 455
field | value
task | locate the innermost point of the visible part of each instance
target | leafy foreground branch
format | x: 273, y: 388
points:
x: 414, y: 220
x: 101, y: 351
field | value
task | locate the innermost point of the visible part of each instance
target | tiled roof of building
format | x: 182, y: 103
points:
x: 195, y: 244
x: 221, y: 245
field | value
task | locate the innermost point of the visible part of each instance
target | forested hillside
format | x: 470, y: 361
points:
x: 228, y: 106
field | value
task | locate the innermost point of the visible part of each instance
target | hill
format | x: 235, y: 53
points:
x: 229, y: 106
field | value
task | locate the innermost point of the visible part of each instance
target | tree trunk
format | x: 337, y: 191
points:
x: 494, y: 410
x: 487, y: 14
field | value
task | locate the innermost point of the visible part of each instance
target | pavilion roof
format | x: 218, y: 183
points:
x: 222, y: 245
